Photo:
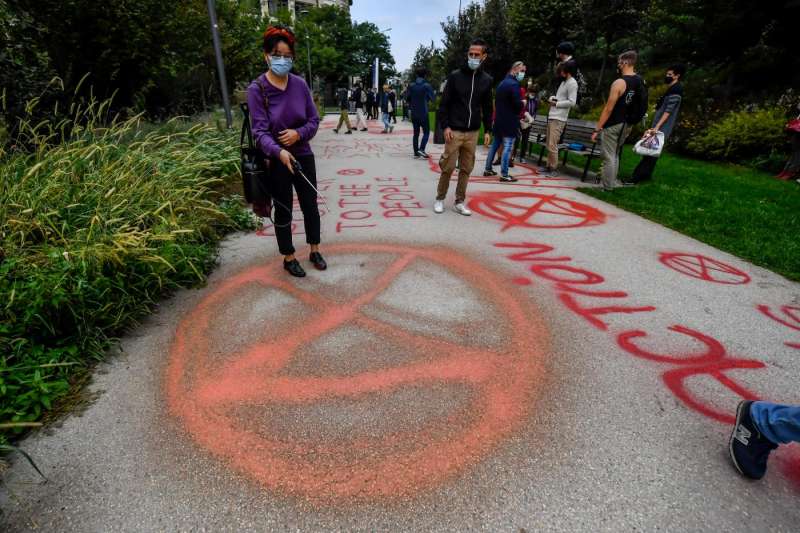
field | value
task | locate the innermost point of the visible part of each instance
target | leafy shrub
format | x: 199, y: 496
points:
x: 93, y: 231
x: 742, y: 135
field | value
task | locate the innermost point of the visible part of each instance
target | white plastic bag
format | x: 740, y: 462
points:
x: 650, y: 146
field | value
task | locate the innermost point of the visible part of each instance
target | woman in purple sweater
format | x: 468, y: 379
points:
x: 284, y: 120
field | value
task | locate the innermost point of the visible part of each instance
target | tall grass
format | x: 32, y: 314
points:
x: 98, y: 220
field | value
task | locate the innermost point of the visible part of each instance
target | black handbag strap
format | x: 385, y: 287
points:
x: 247, y: 128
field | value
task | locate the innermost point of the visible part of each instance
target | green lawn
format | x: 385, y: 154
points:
x: 737, y: 209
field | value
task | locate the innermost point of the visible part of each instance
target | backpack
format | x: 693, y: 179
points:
x: 636, y: 104
x: 254, y: 165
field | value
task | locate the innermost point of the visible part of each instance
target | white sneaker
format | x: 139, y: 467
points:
x: 438, y: 206
x: 461, y: 209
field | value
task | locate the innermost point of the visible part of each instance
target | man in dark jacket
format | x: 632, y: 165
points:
x: 466, y: 101
x: 344, y: 107
x: 506, y: 123
x: 420, y: 93
x: 370, y: 104
x: 665, y: 119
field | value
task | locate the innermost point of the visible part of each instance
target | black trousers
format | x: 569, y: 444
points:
x: 644, y: 170
x: 524, y: 142
x: 281, y: 183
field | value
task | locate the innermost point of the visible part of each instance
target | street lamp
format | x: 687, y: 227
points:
x: 308, y: 50
x: 223, y: 84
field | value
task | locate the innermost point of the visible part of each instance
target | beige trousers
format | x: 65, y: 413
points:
x: 344, y: 118
x: 554, y: 130
x: 461, y: 151
x: 611, y: 143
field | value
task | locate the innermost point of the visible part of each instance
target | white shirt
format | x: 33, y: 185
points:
x: 567, y: 96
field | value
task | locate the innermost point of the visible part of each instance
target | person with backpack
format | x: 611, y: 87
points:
x: 508, y: 106
x: 284, y: 120
x: 665, y: 119
x: 388, y: 103
x: 565, y: 99
x: 420, y: 94
x: 360, y: 99
x: 625, y: 107
x: 344, y: 113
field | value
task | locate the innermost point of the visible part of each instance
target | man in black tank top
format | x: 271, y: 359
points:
x: 613, y: 127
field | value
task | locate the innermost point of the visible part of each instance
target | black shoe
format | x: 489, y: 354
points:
x: 423, y: 154
x: 293, y: 267
x: 364, y: 129
x: 335, y: 130
x: 417, y: 155
x: 348, y: 132
x: 317, y: 260
x: 489, y: 173
x: 508, y: 178
x: 511, y: 163
x: 495, y: 162
x: 749, y: 449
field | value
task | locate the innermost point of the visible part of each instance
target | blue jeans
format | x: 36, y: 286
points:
x: 386, y: 120
x: 778, y: 423
x: 426, y: 131
x: 508, y: 147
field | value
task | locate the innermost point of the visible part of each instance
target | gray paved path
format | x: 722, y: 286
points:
x: 550, y: 363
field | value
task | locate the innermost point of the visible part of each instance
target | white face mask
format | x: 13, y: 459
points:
x: 473, y: 63
x: 520, y: 76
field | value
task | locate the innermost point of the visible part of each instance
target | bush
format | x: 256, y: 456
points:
x: 743, y: 135
x: 93, y: 231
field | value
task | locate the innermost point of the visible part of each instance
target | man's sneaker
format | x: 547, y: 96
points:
x: 749, y: 449
x: 551, y: 174
x: 461, y: 209
x: 489, y: 173
x: 391, y: 129
x: 542, y: 170
x: 335, y: 130
x: 423, y: 154
x: 508, y: 178
x: 417, y: 155
x: 438, y: 206
x: 348, y: 132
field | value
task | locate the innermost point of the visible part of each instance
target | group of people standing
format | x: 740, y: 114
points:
x: 368, y: 103
x: 284, y: 120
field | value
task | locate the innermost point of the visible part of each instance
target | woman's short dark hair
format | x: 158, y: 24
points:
x: 570, y: 67
x: 678, y: 68
x: 278, y: 34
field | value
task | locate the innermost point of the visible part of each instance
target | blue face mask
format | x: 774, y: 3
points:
x: 520, y: 76
x: 280, y: 66
x: 473, y: 63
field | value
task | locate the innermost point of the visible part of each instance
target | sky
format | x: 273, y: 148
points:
x: 412, y: 22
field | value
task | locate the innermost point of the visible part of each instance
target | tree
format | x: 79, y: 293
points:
x: 458, y: 32
x: 537, y: 26
x: 429, y: 57
x: 492, y: 27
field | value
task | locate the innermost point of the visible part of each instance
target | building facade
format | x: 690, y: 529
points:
x: 270, y: 7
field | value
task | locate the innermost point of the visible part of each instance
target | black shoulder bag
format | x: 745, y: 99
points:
x: 254, y: 165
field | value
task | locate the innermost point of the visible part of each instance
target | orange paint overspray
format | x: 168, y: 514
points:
x: 400, y: 464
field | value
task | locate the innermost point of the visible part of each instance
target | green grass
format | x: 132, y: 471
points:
x: 737, y: 209
x: 94, y: 230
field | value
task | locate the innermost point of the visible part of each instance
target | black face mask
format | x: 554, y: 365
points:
x: 668, y: 79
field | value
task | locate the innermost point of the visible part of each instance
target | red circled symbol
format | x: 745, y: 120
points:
x: 351, y: 172
x: 705, y: 268
x: 534, y: 210
x: 206, y: 394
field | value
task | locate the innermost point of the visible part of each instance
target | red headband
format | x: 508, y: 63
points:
x: 272, y: 30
